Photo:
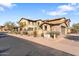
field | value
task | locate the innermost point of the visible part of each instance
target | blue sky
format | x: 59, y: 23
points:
x: 13, y: 12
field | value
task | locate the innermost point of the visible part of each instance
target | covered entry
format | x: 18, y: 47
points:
x: 62, y: 30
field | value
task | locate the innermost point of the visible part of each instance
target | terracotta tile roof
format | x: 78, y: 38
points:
x: 46, y: 21
x: 27, y: 19
x: 50, y: 24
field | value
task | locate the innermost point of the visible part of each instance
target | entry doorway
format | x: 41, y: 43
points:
x: 62, y: 30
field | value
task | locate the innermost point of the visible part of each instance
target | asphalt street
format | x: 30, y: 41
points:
x: 14, y: 46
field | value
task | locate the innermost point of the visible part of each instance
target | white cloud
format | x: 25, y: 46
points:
x: 66, y: 8
x: 43, y: 11
x: 63, y: 9
x: 28, y: 17
x: 73, y: 4
x: 56, y: 13
x: 1, y: 9
x: 7, y: 5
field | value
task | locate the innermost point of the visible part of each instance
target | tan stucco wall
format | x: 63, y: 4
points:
x: 23, y: 20
x: 49, y: 28
x: 55, y: 28
x: 40, y: 22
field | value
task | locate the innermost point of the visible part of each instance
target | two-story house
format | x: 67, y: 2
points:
x: 43, y: 26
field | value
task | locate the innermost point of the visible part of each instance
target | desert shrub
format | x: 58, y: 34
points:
x: 52, y: 33
x: 42, y: 35
x: 15, y: 32
x: 35, y: 33
x: 25, y: 32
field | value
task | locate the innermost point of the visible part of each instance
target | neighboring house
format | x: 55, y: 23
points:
x: 3, y: 28
x: 43, y: 26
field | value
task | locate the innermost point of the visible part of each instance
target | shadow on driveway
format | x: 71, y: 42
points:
x: 21, y: 47
x: 73, y: 37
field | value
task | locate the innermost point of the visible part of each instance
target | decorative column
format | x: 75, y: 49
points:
x: 66, y: 30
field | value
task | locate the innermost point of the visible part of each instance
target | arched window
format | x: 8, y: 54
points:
x: 45, y: 27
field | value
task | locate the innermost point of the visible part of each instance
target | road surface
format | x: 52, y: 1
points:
x: 14, y: 46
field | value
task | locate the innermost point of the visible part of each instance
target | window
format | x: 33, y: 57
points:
x: 45, y: 27
x: 30, y: 29
x: 38, y: 23
x: 28, y: 22
x: 31, y: 23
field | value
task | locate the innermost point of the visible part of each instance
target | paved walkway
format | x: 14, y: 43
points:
x: 62, y: 44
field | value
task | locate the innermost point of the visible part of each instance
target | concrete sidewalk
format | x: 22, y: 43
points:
x: 62, y: 44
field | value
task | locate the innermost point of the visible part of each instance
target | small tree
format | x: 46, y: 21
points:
x: 75, y: 27
x: 22, y: 25
x: 54, y: 34
x: 10, y: 26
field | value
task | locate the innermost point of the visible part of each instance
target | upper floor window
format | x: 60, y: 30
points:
x: 28, y: 22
